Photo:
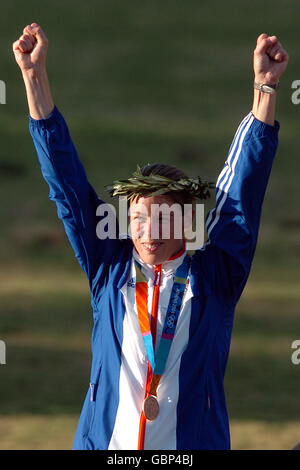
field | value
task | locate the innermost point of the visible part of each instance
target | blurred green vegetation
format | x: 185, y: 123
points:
x: 142, y: 82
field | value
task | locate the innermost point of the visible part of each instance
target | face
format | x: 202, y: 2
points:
x: 156, y: 229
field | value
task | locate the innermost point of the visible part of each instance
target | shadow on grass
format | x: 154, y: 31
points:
x: 48, y: 380
x: 63, y: 312
x: 48, y: 361
x: 261, y: 381
x: 262, y: 387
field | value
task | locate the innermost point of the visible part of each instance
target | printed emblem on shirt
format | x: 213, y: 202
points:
x: 131, y: 282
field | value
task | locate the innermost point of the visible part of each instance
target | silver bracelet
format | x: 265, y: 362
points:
x: 266, y: 87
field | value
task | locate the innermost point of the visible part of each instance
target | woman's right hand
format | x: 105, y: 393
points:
x: 30, y: 49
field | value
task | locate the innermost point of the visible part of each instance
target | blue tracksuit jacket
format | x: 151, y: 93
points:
x: 219, y: 271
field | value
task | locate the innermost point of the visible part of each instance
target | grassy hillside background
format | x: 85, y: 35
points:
x: 142, y: 82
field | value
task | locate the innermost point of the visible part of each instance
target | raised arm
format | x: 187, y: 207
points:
x: 269, y: 63
x: 233, y: 225
x: 76, y: 200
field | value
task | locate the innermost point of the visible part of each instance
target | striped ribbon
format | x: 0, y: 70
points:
x: 156, y: 365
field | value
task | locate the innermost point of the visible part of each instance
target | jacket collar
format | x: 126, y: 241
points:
x: 167, y: 268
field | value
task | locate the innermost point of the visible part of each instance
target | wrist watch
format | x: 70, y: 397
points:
x: 266, y: 87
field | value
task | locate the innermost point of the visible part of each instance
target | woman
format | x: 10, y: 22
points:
x: 158, y: 385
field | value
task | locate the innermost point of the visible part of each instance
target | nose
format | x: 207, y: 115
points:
x: 151, y: 228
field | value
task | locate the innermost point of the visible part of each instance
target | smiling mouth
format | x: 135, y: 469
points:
x: 151, y: 247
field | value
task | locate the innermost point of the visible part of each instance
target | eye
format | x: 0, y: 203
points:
x: 139, y: 218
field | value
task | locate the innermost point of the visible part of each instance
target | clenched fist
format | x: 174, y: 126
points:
x: 269, y: 60
x: 31, y: 48
x: 30, y: 53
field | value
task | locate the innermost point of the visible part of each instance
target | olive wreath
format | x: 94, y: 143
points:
x: 155, y: 185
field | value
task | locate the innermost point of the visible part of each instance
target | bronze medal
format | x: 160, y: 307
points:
x: 151, y: 407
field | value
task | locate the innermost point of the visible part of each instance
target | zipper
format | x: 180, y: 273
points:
x: 208, y: 397
x: 94, y: 386
x: 208, y: 401
x: 92, y: 389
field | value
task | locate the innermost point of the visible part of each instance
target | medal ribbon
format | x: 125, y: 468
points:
x: 141, y: 293
x: 156, y: 366
x: 149, y: 335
